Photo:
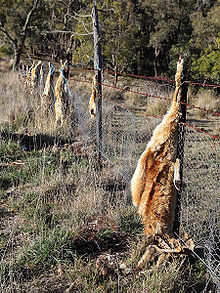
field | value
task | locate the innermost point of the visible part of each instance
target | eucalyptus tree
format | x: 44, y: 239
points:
x: 170, y: 30
x: 65, y: 27
x: 15, y: 20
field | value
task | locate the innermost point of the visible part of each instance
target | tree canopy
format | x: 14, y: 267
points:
x: 143, y: 37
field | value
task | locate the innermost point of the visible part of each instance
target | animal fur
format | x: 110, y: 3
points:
x: 48, y: 97
x: 92, y: 106
x: 28, y: 78
x: 152, y: 186
x: 62, y: 99
x: 35, y: 76
x: 29, y: 71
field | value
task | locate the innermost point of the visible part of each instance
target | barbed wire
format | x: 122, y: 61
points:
x: 145, y: 77
x: 145, y: 114
x: 125, y: 137
x: 162, y: 98
x: 145, y: 94
x: 202, y: 131
x: 148, y: 95
x: 124, y: 147
x: 203, y: 84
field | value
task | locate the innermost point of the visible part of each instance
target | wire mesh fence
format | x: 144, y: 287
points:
x: 125, y: 136
x: 200, y: 204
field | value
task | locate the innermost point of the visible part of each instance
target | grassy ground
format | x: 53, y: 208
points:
x: 65, y: 225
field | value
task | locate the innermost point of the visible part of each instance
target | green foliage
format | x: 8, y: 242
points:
x: 208, y: 66
x: 119, y: 39
x: 205, y: 44
x: 53, y: 247
x: 9, y: 151
x: 5, y: 50
x: 129, y: 221
x: 37, y: 168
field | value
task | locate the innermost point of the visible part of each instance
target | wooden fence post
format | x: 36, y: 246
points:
x: 180, y: 150
x: 98, y: 70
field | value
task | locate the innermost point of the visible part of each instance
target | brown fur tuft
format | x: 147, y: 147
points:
x: 92, y: 106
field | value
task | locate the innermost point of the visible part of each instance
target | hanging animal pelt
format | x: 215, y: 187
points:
x: 156, y: 177
x: 48, y: 97
x: 29, y: 70
x: 28, y: 78
x: 61, y: 97
x: 35, y: 77
x: 92, y: 106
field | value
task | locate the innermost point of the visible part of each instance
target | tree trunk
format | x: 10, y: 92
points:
x: 155, y: 67
x: 23, y: 33
x: 156, y: 54
x: 17, y: 57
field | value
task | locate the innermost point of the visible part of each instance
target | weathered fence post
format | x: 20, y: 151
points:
x: 98, y: 69
x: 180, y: 149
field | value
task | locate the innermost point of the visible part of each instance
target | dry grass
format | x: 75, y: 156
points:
x: 113, y: 94
x: 157, y: 107
x: 12, y: 102
x: 133, y: 99
x: 6, y: 64
x: 66, y: 225
x: 208, y: 100
x: 21, y: 111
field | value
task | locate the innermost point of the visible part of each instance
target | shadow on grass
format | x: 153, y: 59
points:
x: 90, y: 242
x: 33, y: 142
